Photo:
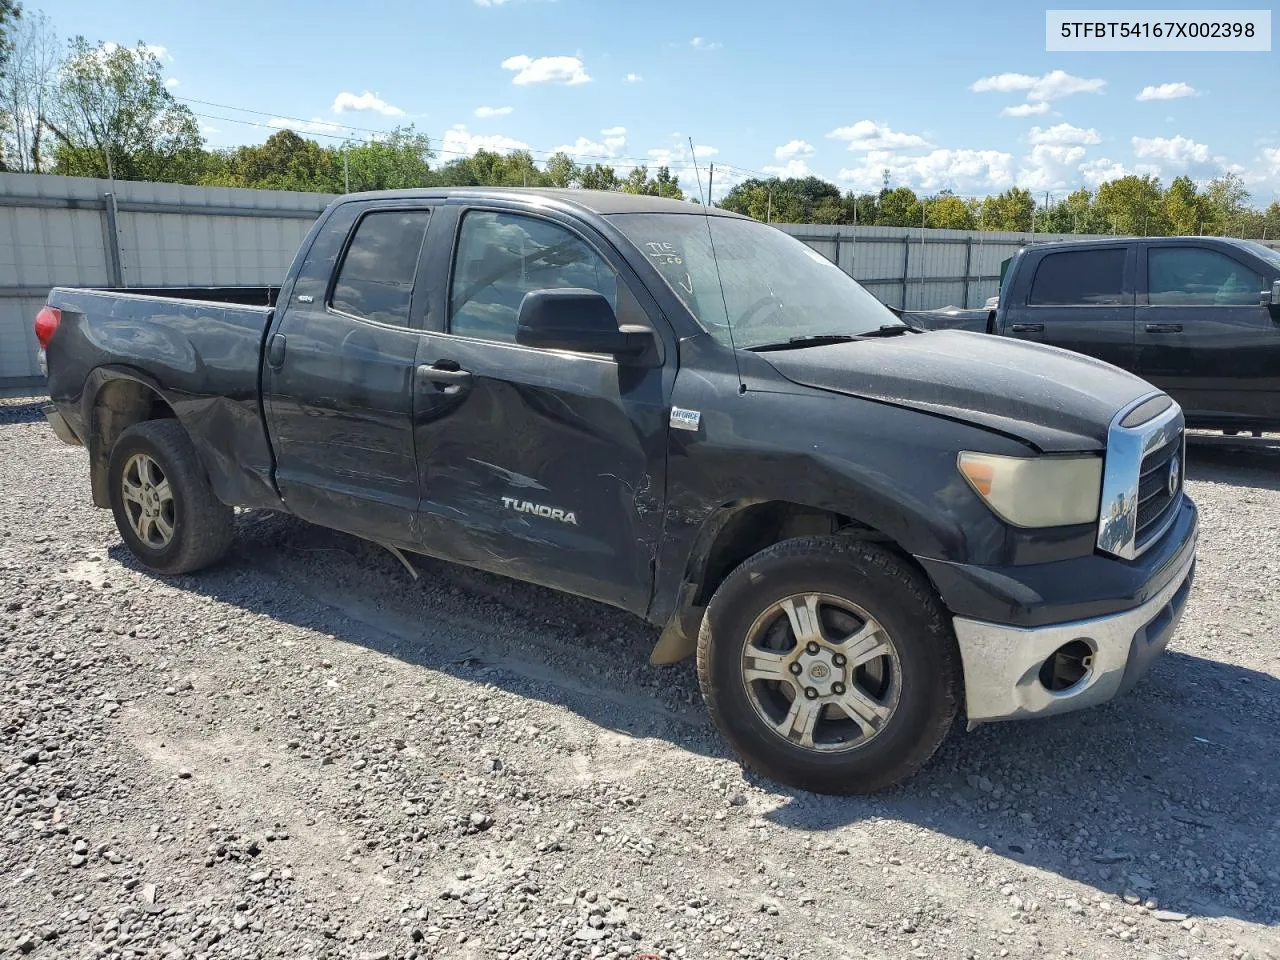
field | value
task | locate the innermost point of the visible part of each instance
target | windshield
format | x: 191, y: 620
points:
x: 1266, y: 253
x: 775, y: 288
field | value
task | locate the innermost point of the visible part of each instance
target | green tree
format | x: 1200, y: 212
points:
x: 898, y: 207
x: 396, y: 161
x: 114, y: 117
x: 1009, y: 211
x: 948, y: 212
x: 286, y: 161
x: 561, y: 170
x: 598, y: 176
x: 1183, y: 207
x: 1135, y: 205
x: 33, y: 53
x: 1226, y: 199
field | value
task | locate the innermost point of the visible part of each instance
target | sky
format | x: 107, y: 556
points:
x: 943, y: 95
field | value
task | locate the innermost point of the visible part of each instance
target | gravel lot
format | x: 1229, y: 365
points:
x: 304, y: 752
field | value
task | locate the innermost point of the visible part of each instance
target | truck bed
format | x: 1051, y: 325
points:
x: 199, y: 348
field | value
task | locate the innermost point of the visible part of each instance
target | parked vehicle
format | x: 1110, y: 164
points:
x: 1199, y: 317
x: 856, y: 528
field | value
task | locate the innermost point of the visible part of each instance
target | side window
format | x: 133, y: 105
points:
x: 375, y: 281
x: 1195, y: 276
x: 1079, y: 278
x: 503, y: 256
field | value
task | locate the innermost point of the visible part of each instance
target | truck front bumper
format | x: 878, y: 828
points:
x: 1015, y: 670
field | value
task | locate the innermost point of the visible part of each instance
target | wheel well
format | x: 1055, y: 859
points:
x: 750, y: 529
x: 119, y: 405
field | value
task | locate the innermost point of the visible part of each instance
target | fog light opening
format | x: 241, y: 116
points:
x: 1068, y: 666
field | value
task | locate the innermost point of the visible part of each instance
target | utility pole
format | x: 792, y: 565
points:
x: 768, y: 217
x: 346, y: 169
x: 711, y: 178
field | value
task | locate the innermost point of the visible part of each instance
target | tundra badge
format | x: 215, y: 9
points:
x: 540, y: 510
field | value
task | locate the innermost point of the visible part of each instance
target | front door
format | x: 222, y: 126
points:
x: 543, y: 465
x: 338, y: 375
x: 1205, y: 336
x: 1081, y: 300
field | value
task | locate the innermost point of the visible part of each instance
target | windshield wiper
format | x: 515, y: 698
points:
x: 821, y: 339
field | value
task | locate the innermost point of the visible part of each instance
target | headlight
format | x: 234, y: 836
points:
x: 1037, y: 491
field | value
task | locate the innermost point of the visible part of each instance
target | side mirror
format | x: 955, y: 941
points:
x: 580, y: 320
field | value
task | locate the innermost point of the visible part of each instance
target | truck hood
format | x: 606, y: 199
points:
x: 1053, y: 399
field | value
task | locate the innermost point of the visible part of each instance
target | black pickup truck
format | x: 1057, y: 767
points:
x: 1198, y: 317
x: 857, y: 528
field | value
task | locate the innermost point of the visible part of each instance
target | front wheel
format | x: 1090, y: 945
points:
x: 164, y: 507
x: 829, y: 665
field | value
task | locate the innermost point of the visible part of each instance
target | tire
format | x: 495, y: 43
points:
x: 200, y: 527
x: 854, y: 581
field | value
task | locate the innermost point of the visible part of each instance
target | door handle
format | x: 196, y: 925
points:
x: 1027, y: 328
x: 1163, y: 328
x: 275, y: 351
x: 444, y: 379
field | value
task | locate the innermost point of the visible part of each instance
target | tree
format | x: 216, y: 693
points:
x: 1227, y: 198
x: 286, y: 161
x: 32, y: 49
x: 899, y: 207
x: 1134, y: 205
x: 1009, y: 211
x: 394, y: 161
x: 661, y: 185
x: 115, y: 118
x: 561, y: 170
x: 1183, y: 207
x: 948, y: 212
x: 598, y: 176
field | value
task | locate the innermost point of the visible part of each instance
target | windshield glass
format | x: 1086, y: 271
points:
x: 775, y: 287
x: 1266, y: 253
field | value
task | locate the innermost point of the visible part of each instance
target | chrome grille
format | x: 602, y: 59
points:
x: 1158, y: 492
x: 1145, y: 444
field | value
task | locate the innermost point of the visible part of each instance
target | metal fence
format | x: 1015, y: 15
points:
x: 922, y: 269
x: 75, y: 231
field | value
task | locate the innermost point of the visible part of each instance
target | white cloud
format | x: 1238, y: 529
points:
x: 869, y: 135
x: 1051, y: 86
x: 1177, y: 150
x: 613, y: 142
x: 459, y: 141
x: 490, y: 3
x: 1096, y: 172
x: 205, y: 128
x: 965, y: 171
x: 567, y: 70
x: 171, y: 82
x: 794, y: 167
x: 615, y: 138
x: 701, y: 150
x: 315, y: 125
x: 632, y: 78
x: 364, y: 103
x: 486, y: 112
x: 792, y: 149
x: 1167, y: 91
x: 678, y: 160
x: 1051, y: 166
x: 1271, y: 156
x: 1064, y: 134
x: 160, y: 53
x: 1026, y: 110
x: 701, y: 43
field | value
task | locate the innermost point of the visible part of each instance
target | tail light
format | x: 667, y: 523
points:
x: 47, y: 321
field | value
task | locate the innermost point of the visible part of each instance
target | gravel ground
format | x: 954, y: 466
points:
x: 305, y: 753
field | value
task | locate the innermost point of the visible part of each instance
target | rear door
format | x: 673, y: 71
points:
x: 545, y: 465
x: 1205, y: 336
x: 1080, y: 300
x: 338, y: 374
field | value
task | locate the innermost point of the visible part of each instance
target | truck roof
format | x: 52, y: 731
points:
x: 1155, y: 241
x: 601, y: 202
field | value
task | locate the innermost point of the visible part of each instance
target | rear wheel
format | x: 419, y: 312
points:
x: 163, y: 504
x: 829, y: 665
